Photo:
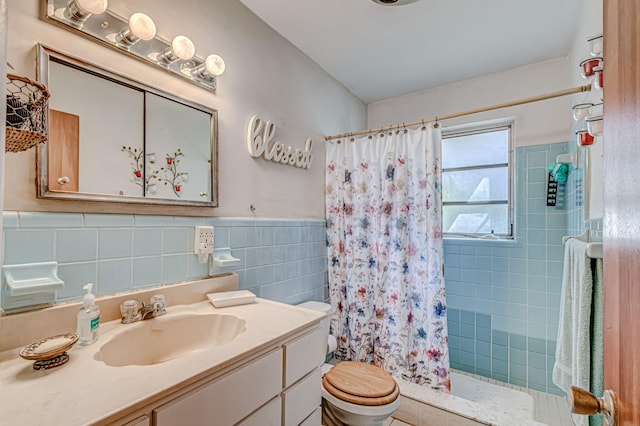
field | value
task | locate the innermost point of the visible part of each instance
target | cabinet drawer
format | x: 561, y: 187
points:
x: 304, y: 354
x: 302, y: 398
x: 228, y: 399
x: 269, y: 415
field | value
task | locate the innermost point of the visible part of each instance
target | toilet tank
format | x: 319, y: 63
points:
x: 321, y: 307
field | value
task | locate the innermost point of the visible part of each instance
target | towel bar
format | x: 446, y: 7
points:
x: 595, y: 250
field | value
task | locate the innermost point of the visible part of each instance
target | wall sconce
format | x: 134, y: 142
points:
x: 136, y: 37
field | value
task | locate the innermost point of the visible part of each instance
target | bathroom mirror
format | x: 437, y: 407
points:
x: 118, y: 140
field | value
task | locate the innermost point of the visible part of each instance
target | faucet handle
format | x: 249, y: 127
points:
x: 129, y: 311
x: 158, y: 301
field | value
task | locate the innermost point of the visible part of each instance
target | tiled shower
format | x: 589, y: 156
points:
x: 503, y: 296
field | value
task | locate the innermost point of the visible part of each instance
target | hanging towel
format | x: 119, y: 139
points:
x: 573, y: 349
x: 597, y: 338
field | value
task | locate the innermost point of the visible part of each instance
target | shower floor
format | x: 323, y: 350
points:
x: 525, y: 404
x: 496, y: 397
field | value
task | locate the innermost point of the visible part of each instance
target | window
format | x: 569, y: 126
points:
x: 476, y: 182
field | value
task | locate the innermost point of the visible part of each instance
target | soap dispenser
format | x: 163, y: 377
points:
x: 88, y: 318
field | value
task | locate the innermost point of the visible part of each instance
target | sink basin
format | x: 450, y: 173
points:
x: 168, y: 337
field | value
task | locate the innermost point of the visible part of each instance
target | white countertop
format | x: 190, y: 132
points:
x: 86, y: 391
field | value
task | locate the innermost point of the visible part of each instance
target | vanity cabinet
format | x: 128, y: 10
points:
x: 279, y: 387
x: 228, y: 399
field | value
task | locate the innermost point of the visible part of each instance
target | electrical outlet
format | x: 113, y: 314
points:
x: 203, y: 240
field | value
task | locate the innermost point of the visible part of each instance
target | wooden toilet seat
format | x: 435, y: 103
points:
x: 360, y: 383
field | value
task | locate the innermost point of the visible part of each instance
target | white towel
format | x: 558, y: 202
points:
x: 573, y: 349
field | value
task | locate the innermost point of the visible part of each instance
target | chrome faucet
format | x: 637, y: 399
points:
x: 131, y: 313
x: 147, y: 311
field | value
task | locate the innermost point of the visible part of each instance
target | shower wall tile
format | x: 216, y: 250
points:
x: 509, y: 291
x: 281, y: 259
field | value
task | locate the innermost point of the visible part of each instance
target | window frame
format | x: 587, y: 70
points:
x: 478, y: 128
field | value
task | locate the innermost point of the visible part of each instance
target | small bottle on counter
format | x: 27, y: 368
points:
x: 88, y: 318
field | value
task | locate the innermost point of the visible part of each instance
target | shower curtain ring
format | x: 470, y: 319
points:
x: 436, y: 125
x: 423, y: 126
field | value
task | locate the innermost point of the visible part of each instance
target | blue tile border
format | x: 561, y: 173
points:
x: 158, y: 250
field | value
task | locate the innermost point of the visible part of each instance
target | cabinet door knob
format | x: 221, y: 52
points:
x: 64, y: 180
x: 585, y: 403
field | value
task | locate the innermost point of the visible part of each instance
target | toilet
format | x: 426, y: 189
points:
x: 354, y: 393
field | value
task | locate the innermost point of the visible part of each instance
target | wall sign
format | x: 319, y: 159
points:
x: 260, y: 135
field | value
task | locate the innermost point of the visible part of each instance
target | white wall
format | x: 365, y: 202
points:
x: 536, y: 123
x: 591, y: 23
x: 265, y: 75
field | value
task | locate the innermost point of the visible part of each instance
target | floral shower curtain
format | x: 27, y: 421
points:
x: 386, y: 284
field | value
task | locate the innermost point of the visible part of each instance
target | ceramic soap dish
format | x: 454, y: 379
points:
x: 231, y: 298
x: 50, y: 352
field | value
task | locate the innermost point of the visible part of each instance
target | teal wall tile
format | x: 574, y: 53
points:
x: 76, y: 245
x: 28, y: 246
x: 500, y: 352
x: 517, y: 372
x: 195, y: 269
x: 484, y: 349
x: 174, y: 268
x: 153, y: 221
x: 76, y: 276
x: 483, y: 365
x: 517, y: 341
x: 467, y: 345
x: 115, y: 243
x: 184, y: 221
x: 147, y: 242
x: 108, y: 220
x: 147, y: 271
x: 177, y: 240
x: 483, y: 334
x: 538, y: 361
x: 238, y: 237
x: 50, y: 220
x: 9, y: 219
x: 114, y: 276
x: 221, y: 237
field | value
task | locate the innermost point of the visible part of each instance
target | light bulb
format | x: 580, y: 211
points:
x: 212, y: 66
x: 80, y: 10
x: 181, y: 48
x: 141, y: 27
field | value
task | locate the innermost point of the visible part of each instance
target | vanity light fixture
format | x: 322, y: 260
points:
x: 79, y: 10
x: 141, y: 27
x: 181, y: 48
x: 136, y: 37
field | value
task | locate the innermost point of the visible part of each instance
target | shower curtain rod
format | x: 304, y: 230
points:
x: 565, y: 92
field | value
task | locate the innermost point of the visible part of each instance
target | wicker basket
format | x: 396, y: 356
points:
x: 27, y: 109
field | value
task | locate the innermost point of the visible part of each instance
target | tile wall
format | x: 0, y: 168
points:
x: 503, y: 296
x: 283, y: 260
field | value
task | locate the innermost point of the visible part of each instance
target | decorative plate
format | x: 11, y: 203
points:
x: 49, y: 347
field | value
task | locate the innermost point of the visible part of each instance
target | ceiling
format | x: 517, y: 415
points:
x: 384, y: 51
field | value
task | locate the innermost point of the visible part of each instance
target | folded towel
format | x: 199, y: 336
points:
x: 573, y: 349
